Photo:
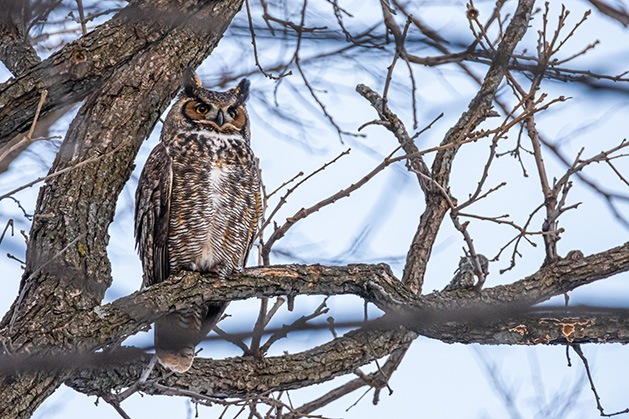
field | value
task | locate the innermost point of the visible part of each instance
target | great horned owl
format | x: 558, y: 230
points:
x: 197, y: 206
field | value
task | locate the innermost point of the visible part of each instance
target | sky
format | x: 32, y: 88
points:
x: 376, y: 223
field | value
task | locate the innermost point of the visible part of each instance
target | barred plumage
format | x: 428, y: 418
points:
x: 197, y: 206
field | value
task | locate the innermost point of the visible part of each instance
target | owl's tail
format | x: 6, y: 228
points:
x: 177, y: 334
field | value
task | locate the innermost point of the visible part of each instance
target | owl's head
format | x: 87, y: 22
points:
x: 198, y: 108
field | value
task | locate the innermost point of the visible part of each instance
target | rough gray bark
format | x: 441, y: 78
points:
x: 16, y: 52
x: 139, y: 62
x: 374, y: 283
x: 242, y: 376
x: 82, y: 66
x: 496, y: 316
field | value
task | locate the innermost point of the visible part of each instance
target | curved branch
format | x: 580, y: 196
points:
x: 430, y: 314
x: 82, y: 66
x: 494, y: 317
x: 243, y: 376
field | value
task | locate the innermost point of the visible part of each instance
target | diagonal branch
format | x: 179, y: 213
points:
x: 16, y: 52
x: 617, y: 14
x: 478, y: 109
x: 74, y: 71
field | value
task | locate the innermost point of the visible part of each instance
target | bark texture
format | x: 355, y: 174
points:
x: 16, y: 52
x: 498, y: 315
x: 131, y: 67
x: 374, y: 283
x: 242, y: 376
x: 81, y: 67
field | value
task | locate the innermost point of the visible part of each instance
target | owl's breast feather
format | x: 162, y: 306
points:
x: 211, y: 195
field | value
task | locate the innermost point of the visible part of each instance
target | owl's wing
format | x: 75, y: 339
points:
x: 152, y: 215
x: 253, y: 227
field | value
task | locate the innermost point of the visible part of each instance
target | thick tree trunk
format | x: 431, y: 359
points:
x: 67, y: 268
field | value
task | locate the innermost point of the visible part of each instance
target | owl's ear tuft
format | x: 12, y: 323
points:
x: 242, y: 90
x: 190, y: 81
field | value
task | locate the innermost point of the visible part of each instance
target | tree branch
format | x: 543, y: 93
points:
x: 106, y: 324
x: 224, y: 378
x: 16, y: 52
x: 494, y: 316
x: 479, y: 107
x: 83, y: 201
x: 82, y: 66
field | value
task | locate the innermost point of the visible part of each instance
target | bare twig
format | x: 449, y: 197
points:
x: 10, y: 256
x: 255, y: 47
x: 454, y: 215
x: 578, y: 351
x: 550, y: 199
x: 26, y: 141
x: 258, y: 329
x: 299, y: 323
x: 372, y: 379
x: 9, y: 224
x: 118, y: 398
x: 229, y: 338
x: 291, y: 190
x: 620, y: 176
x: 62, y: 171
x: 278, y: 303
x: 19, y: 205
x: 279, y: 232
x: 116, y: 405
x: 616, y: 14
x: 284, y: 184
x: 79, y: 4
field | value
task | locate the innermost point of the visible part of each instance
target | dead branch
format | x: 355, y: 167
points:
x: 374, y: 283
x: 616, y: 14
x: 578, y: 351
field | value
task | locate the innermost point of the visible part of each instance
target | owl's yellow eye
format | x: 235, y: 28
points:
x: 202, y: 109
x: 232, y: 112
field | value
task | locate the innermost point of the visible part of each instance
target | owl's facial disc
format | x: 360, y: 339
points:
x: 226, y: 119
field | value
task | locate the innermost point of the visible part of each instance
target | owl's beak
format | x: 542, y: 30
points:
x: 220, y: 118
